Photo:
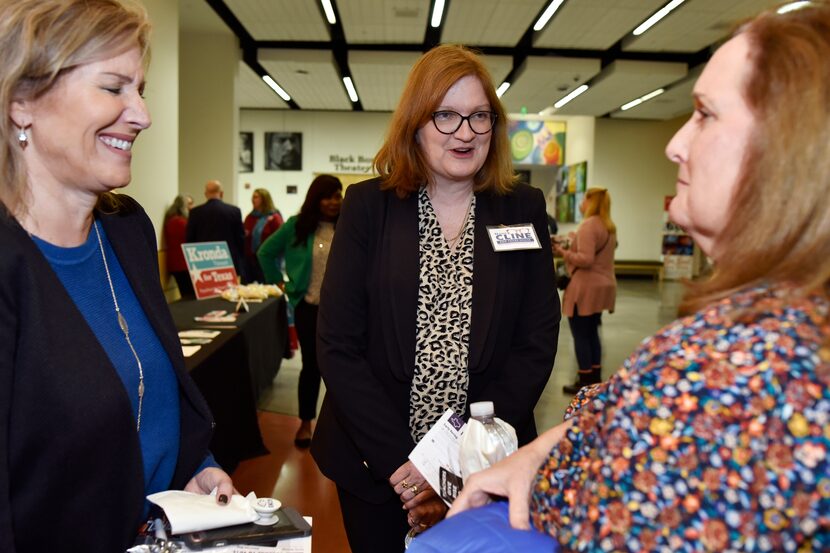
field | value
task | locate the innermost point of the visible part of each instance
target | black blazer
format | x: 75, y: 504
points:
x: 214, y: 221
x: 367, y: 327
x: 71, y: 475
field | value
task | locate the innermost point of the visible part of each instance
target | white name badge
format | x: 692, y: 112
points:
x: 514, y: 237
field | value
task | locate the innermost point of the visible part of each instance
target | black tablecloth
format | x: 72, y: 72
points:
x: 233, y: 369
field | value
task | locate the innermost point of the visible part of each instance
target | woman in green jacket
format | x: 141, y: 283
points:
x: 304, y: 241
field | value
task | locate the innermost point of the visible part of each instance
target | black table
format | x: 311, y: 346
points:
x: 234, y: 368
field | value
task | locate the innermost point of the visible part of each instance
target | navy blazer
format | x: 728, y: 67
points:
x: 71, y: 475
x: 367, y: 330
x: 215, y: 221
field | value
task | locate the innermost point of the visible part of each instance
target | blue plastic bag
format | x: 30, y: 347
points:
x: 484, y: 529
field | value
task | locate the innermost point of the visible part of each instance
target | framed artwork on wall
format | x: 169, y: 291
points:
x: 283, y: 151
x: 246, y: 152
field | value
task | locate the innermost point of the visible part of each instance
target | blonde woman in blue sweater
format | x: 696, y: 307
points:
x: 304, y: 241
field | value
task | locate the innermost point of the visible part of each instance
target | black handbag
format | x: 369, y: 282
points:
x: 562, y: 276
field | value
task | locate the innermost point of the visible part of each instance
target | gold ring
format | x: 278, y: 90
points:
x: 422, y: 525
x: 405, y: 484
x: 414, y: 489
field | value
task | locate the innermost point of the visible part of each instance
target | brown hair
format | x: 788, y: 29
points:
x: 400, y: 161
x: 43, y: 39
x: 598, y: 202
x: 778, y: 229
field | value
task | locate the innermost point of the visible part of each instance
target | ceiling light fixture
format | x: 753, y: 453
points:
x: 276, y: 88
x: 329, y: 12
x: 641, y: 99
x: 350, y: 89
x: 576, y: 92
x: 793, y: 6
x: 548, y: 13
x: 658, y: 15
x: 502, y: 89
x: 437, y: 13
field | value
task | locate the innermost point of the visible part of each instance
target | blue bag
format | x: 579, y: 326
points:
x: 484, y: 529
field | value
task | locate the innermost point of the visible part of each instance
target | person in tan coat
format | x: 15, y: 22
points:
x: 593, y: 287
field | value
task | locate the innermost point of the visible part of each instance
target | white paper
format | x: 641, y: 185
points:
x: 439, y: 448
x: 187, y: 351
x: 199, y: 333
x: 190, y: 512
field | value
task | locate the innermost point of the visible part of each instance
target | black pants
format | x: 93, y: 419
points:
x: 305, y: 321
x: 185, y: 285
x: 585, y: 330
x: 373, y: 528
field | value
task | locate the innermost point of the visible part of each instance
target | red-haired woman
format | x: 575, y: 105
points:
x: 419, y: 312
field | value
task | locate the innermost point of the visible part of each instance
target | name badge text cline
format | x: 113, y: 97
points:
x: 510, y: 235
x: 214, y: 254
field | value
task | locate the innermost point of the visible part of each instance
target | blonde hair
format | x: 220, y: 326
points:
x: 267, y: 201
x: 400, y: 161
x: 598, y: 202
x: 41, y: 40
x: 778, y: 229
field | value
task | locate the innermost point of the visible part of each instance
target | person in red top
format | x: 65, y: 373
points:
x: 175, y: 226
x: 260, y: 223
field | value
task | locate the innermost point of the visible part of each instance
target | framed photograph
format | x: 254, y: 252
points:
x: 246, y: 152
x: 283, y: 151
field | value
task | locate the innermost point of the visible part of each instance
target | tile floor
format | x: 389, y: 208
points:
x: 643, y: 306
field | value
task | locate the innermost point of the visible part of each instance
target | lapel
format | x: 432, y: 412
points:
x: 128, y: 242
x: 400, y: 268
x: 400, y: 251
x: 486, y: 264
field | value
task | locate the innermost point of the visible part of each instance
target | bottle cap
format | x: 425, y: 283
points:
x: 482, y: 409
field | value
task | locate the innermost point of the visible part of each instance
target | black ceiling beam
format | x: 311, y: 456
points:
x: 246, y: 42
x: 432, y: 36
x: 338, y: 48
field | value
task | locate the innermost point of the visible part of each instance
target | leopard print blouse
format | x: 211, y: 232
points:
x: 445, y: 299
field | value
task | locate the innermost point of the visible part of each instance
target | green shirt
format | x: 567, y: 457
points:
x: 297, y: 260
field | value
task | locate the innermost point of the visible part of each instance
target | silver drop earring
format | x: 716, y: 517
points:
x: 22, y: 138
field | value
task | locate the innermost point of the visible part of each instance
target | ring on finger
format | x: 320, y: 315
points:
x: 414, y: 489
x: 405, y: 484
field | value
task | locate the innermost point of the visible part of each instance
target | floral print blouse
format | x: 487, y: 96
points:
x: 714, y: 436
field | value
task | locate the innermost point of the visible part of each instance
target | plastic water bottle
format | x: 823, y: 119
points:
x: 486, y: 441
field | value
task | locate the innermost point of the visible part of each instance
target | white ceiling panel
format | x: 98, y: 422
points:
x: 621, y: 82
x: 281, y: 19
x: 697, y: 24
x: 252, y: 92
x: 499, y: 67
x: 380, y: 77
x: 489, y: 22
x: 546, y: 79
x: 374, y: 22
x: 594, y: 24
x: 309, y: 76
x: 673, y: 103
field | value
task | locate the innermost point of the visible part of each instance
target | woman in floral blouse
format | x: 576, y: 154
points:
x: 714, y: 435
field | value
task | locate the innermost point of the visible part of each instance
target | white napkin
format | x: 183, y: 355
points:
x: 190, y: 512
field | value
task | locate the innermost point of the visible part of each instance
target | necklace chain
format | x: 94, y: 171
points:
x: 122, y: 323
x: 451, y: 242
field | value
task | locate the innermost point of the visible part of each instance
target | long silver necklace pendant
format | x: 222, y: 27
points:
x: 122, y: 323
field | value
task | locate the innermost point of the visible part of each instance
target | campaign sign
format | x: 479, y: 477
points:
x: 211, y: 267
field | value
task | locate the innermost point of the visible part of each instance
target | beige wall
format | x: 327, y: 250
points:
x: 156, y: 152
x: 208, y: 117
x: 629, y: 162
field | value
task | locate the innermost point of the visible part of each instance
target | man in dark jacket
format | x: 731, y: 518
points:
x: 215, y: 221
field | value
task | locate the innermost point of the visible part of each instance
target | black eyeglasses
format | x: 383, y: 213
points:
x: 448, y: 122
